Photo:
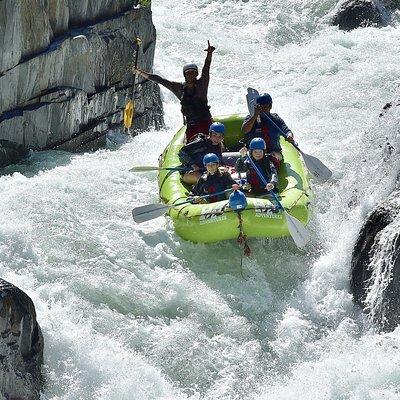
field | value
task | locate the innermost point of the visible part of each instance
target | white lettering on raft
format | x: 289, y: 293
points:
x: 268, y: 213
x: 207, y: 219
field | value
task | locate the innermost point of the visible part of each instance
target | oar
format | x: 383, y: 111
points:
x: 130, y: 106
x: 317, y: 168
x: 297, y: 231
x: 144, y: 168
x: 151, y: 211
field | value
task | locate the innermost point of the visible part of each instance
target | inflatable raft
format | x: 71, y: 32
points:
x: 214, y: 222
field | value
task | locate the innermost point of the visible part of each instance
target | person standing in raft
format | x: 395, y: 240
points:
x: 213, y: 180
x: 259, y: 125
x: 264, y: 165
x: 191, y: 155
x: 192, y: 95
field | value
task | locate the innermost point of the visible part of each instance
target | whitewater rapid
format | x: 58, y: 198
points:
x: 134, y: 312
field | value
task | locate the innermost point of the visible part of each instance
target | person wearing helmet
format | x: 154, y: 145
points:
x: 213, y: 180
x: 264, y: 164
x: 191, y: 155
x: 258, y: 125
x: 192, y: 94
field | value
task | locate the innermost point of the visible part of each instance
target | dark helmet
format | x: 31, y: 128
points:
x: 217, y: 127
x: 237, y: 201
x: 264, y: 98
x: 257, y: 144
x: 189, y: 67
x: 210, y: 158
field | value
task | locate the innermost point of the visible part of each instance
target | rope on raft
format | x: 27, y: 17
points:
x: 242, y: 240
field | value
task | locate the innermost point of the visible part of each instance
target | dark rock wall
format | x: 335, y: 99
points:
x: 21, y: 345
x: 375, y: 267
x: 65, y: 70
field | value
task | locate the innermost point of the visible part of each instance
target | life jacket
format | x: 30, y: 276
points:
x: 197, y: 149
x: 194, y: 108
x: 264, y: 130
x: 257, y: 185
x: 213, y: 184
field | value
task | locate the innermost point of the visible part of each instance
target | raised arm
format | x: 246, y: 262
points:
x: 174, y: 87
x: 205, y: 72
x: 250, y: 120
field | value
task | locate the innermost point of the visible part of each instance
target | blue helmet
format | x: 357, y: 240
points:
x: 237, y: 201
x: 189, y: 67
x: 210, y: 158
x: 264, y: 98
x: 217, y: 127
x: 257, y: 144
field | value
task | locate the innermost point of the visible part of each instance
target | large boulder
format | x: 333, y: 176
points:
x: 11, y: 153
x: 375, y: 266
x: 352, y: 14
x: 65, y: 71
x: 21, y: 345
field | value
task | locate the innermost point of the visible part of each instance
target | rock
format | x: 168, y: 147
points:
x: 375, y: 266
x: 354, y: 14
x: 21, y: 345
x: 11, y: 153
x: 65, y: 77
x: 391, y: 4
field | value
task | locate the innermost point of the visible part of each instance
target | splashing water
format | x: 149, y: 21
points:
x: 134, y: 312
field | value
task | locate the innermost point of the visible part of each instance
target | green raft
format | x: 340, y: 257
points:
x: 214, y: 222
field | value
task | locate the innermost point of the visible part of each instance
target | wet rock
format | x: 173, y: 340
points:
x: 375, y: 266
x: 65, y: 72
x: 11, y: 153
x: 353, y: 14
x: 391, y: 4
x: 21, y: 345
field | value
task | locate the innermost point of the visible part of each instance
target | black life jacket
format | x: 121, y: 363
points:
x: 194, y: 108
x: 257, y: 186
x: 209, y: 184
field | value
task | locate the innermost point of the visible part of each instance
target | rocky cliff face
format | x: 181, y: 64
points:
x: 65, y: 71
x: 375, y: 266
x: 21, y: 345
x: 375, y: 272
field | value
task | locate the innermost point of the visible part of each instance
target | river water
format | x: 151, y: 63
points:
x: 134, y: 312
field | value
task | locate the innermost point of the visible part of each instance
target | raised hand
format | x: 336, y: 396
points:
x: 209, y: 48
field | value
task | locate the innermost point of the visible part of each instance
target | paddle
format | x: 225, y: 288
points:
x: 143, y: 168
x: 130, y: 106
x: 316, y: 167
x: 151, y: 211
x: 297, y: 231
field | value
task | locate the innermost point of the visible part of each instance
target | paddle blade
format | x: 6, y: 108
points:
x: 297, y: 231
x: 317, y: 168
x: 251, y: 98
x: 149, y: 212
x: 128, y: 114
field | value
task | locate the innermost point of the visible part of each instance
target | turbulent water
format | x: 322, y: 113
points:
x: 134, y: 312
